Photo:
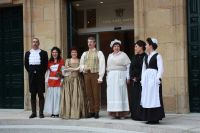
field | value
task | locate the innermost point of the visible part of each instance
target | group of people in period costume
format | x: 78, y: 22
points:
x: 73, y: 85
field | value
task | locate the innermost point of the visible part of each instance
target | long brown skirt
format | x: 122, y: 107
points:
x: 73, y: 105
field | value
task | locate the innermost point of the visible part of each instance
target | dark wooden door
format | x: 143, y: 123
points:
x: 11, y: 54
x: 194, y: 54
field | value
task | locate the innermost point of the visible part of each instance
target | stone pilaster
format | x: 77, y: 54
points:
x: 166, y: 21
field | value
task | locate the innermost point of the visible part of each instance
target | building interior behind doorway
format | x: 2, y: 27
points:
x: 104, y: 20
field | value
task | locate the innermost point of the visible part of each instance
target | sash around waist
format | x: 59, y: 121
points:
x: 72, y: 74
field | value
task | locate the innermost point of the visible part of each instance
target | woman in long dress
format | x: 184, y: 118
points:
x: 118, y: 64
x: 152, y: 71
x: 135, y: 76
x: 73, y: 105
x: 52, y: 101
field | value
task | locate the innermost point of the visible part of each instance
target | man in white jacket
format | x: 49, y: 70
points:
x: 92, y: 64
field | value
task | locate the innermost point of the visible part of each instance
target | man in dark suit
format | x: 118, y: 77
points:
x: 36, y: 63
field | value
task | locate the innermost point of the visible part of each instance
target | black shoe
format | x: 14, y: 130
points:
x: 41, y: 116
x: 117, y: 117
x: 56, y: 116
x: 152, y: 122
x: 32, y: 116
x: 96, y: 115
x: 136, y: 119
x: 90, y: 115
x: 155, y: 122
x: 148, y: 122
x: 52, y: 115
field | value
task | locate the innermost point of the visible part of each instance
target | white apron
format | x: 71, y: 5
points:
x: 150, y: 89
x: 117, y: 95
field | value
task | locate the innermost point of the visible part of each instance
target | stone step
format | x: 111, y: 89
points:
x: 18, y: 122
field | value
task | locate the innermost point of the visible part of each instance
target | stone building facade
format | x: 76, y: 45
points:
x: 165, y: 20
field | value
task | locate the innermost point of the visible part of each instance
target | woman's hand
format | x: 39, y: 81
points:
x: 134, y: 79
x: 128, y: 81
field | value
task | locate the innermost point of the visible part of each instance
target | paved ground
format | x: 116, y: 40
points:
x: 17, y: 121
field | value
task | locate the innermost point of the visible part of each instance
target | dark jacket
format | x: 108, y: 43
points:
x: 136, y: 66
x: 37, y: 72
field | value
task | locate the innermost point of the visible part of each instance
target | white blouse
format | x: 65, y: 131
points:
x: 101, y: 64
x: 119, y: 61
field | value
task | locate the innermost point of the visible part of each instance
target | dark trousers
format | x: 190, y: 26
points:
x: 37, y: 87
x: 41, y: 102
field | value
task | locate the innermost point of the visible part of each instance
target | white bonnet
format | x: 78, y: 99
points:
x: 154, y: 40
x: 115, y: 41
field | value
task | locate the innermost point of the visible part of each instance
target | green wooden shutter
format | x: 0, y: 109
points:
x: 11, y: 62
x: 194, y: 54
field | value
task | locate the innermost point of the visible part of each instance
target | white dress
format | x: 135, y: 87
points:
x: 117, y: 73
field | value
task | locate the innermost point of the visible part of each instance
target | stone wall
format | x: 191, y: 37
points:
x: 46, y: 20
x: 166, y: 21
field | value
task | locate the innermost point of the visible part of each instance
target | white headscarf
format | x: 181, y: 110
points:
x: 115, y: 41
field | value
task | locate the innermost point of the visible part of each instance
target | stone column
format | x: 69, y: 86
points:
x: 166, y: 21
x: 139, y: 19
x: 27, y: 25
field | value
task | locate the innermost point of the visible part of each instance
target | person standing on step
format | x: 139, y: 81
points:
x: 55, y: 66
x: 73, y: 98
x: 36, y: 63
x: 151, y: 97
x: 92, y: 64
x: 118, y: 64
x: 135, y: 76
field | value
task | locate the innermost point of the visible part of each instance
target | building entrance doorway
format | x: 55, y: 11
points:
x: 104, y: 20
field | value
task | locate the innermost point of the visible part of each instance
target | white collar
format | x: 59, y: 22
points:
x: 92, y: 50
x: 117, y: 53
x: 37, y: 50
x: 152, y: 53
